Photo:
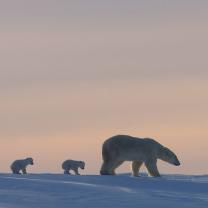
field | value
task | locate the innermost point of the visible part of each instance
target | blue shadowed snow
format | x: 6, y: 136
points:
x: 55, y: 190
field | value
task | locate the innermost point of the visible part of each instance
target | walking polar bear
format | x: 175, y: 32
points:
x: 21, y: 165
x: 122, y: 148
x: 72, y: 165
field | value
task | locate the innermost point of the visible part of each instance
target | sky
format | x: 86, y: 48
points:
x: 74, y: 73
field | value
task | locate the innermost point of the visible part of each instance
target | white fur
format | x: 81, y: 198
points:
x: 20, y: 165
x: 72, y: 165
x: 122, y: 148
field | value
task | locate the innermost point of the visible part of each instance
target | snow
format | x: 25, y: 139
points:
x: 56, y: 190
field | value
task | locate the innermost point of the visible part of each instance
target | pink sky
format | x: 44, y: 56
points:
x: 74, y: 74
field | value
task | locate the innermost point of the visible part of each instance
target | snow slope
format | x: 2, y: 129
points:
x: 55, y: 190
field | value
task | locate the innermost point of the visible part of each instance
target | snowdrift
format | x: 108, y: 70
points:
x: 55, y: 190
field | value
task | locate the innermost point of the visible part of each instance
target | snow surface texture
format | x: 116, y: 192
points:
x: 55, y: 190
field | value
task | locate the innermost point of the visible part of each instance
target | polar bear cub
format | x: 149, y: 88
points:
x: 72, y: 165
x: 20, y: 165
x: 121, y: 148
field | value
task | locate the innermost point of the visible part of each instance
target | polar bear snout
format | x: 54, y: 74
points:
x: 177, y: 163
x: 29, y: 161
x: 82, y: 165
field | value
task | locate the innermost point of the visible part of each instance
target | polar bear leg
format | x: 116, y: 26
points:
x: 152, y: 168
x: 103, y: 170
x: 67, y: 172
x: 108, y: 167
x: 135, y: 168
x: 116, y: 165
x: 24, y: 171
x: 76, y: 171
x: 15, y: 171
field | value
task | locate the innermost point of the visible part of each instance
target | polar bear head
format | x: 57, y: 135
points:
x: 167, y: 155
x: 82, y: 165
x: 29, y: 161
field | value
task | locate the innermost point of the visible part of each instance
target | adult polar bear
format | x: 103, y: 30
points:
x: 122, y: 148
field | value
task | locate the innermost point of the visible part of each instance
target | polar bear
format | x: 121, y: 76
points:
x: 20, y: 165
x: 72, y: 165
x: 122, y: 148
